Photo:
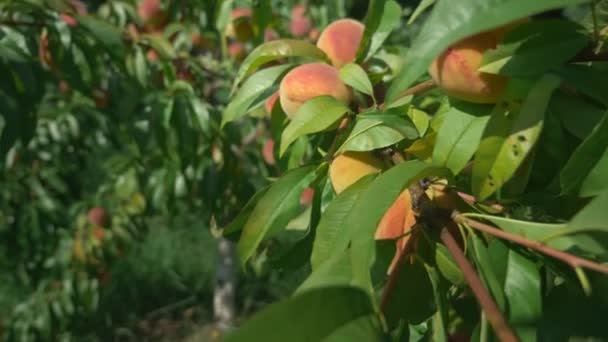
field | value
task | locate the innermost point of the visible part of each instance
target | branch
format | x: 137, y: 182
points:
x: 472, y: 200
x: 489, y: 307
x: 417, y: 89
x: 572, y: 260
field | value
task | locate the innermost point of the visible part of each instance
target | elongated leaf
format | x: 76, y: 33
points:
x: 596, y: 181
x: 367, y: 328
x: 309, y: 316
x: 587, y: 79
x: 593, y: 217
x: 336, y: 270
x: 535, y: 47
x: 458, y: 138
x: 333, y: 233
x: 274, y: 210
x: 489, y: 273
x: 234, y: 228
x: 274, y: 50
x: 556, y: 235
x: 254, y: 91
x: 389, y: 20
x: 353, y: 75
x: 585, y: 157
x: 375, y: 131
x: 422, y: 6
x: 375, y: 11
x: 571, y: 109
x: 107, y: 34
x: 315, y: 115
x: 452, y: 21
x: 374, y: 202
x: 507, y: 140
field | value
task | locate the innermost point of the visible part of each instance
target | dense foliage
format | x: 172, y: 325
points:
x: 431, y: 170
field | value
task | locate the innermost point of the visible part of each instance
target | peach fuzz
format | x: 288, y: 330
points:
x: 151, y: 13
x: 348, y: 167
x: 270, y: 102
x: 397, y: 221
x: 300, y: 25
x: 340, y: 41
x: 308, y: 81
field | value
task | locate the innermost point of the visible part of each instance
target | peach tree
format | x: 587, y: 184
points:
x: 440, y: 179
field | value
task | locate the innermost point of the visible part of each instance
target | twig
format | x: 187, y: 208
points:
x: 334, y: 144
x: 391, y: 283
x: 572, y: 260
x: 488, y: 305
x: 472, y: 200
x: 417, y: 89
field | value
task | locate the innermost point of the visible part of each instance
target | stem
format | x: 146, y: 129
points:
x: 472, y: 200
x: 334, y: 145
x: 572, y: 260
x: 488, y: 305
x: 417, y: 89
x: 393, y: 277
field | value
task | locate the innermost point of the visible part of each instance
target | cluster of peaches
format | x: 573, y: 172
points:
x: 454, y: 72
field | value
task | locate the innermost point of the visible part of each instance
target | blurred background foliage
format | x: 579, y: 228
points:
x: 114, y: 171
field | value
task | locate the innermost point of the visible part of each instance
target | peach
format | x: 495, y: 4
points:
x: 151, y: 13
x: 307, y: 196
x: 348, y: 167
x: 268, y: 152
x: 455, y: 70
x: 397, y: 221
x: 240, y: 26
x: 236, y: 51
x: 69, y: 20
x: 340, y: 41
x: 270, y: 35
x: 270, y: 102
x: 300, y: 25
x: 98, y: 217
x: 308, y: 81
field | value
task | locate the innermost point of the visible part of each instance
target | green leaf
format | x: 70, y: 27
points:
x: 254, y: 91
x: 107, y: 34
x: 336, y: 270
x: 556, y: 235
x: 585, y: 157
x: 310, y: 316
x: 509, y: 138
x: 588, y: 79
x: 371, y: 207
x: 275, y: 209
x: 274, y: 50
x: 571, y: 108
x: 367, y: 328
x: 375, y: 130
x: 459, y: 136
x: 222, y: 15
x: 377, y: 29
x: 447, y: 266
x: 535, y: 47
x: 439, y: 321
x: 412, y: 299
x: 315, y: 115
x: 422, y: 6
x: 234, y: 228
x: 333, y: 234
x: 452, y: 21
x: 420, y: 119
x: 596, y: 181
x: 161, y: 45
x: 489, y: 273
x: 353, y: 75
x: 593, y: 217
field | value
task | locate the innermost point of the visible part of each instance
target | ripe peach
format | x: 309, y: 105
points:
x: 455, y: 70
x: 307, y: 196
x: 270, y: 34
x: 151, y: 14
x: 240, y: 26
x: 308, y: 81
x: 268, y: 152
x: 237, y: 52
x: 69, y: 20
x: 397, y: 221
x: 340, y: 41
x: 270, y: 102
x: 98, y: 217
x: 349, y: 167
x: 300, y: 25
